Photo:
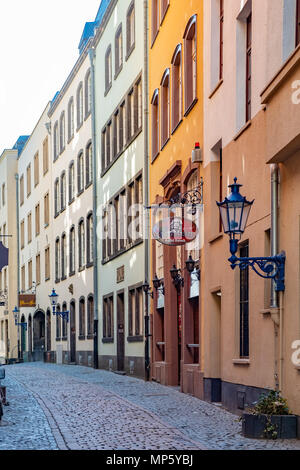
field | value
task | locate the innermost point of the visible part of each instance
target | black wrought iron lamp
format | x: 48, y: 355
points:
x: 147, y: 289
x: 53, y: 299
x: 158, y: 284
x: 178, y: 280
x: 235, y: 210
x: 191, y: 267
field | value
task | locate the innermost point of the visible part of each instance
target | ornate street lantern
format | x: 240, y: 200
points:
x: 54, y: 299
x: 178, y: 280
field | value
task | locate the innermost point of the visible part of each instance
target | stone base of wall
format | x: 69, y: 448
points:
x: 192, y: 380
x: 85, y: 358
x: 134, y: 366
x: 236, y: 398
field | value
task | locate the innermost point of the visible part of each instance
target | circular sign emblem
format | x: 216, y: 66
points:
x: 175, y: 231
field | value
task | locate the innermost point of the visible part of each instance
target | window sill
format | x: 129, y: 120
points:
x: 80, y: 192
x: 176, y: 127
x: 107, y: 340
x: 165, y: 144
x: 190, y: 107
x: 70, y: 139
x: 57, y: 340
x: 117, y: 72
x: 135, y: 339
x: 129, y: 52
x: 216, y: 89
x: 71, y: 274
x: 89, y: 265
x: 64, y: 278
x: 45, y: 172
x: 242, y: 130
x: 87, y: 115
x: 47, y: 279
x: 88, y: 185
x: 241, y: 362
x: 64, y: 339
x: 79, y: 126
x: 154, y: 38
x: 72, y: 200
x: 57, y: 281
x: 90, y: 336
x: 155, y: 157
x: 82, y: 268
x: 107, y: 90
x: 81, y: 338
x: 213, y: 239
x: 46, y: 226
x: 164, y: 14
x: 62, y: 151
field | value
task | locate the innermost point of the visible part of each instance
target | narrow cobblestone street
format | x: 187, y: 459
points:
x: 72, y: 407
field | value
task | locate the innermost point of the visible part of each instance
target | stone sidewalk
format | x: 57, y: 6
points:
x: 88, y: 409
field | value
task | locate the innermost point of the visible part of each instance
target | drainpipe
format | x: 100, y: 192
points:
x: 18, y: 252
x: 146, y: 191
x: 95, y: 240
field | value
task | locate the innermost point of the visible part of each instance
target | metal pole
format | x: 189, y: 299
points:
x: 95, y: 238
x: 274, y: 227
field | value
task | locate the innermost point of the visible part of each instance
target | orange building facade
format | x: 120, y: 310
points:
x: 176, y: 124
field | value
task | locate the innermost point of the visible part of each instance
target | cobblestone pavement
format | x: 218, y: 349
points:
x: 90, y: 409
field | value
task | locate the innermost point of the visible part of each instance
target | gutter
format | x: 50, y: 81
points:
x: 18, y: 252
x: 91, y: 53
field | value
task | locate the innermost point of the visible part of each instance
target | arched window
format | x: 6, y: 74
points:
x: 79, y: 105
x: 55, y: 141
x: 108, y: 69
x: 88, y: 93
x: 164, y: 4
x: 154, y: 19
x: 56, y: 197
x: 130, y: 26
x: 80, y: 172
x: 165, y: 108
x: 90, y: 316
x: 82, y: 318
x: 89, y: 238
x: 58, y: 324
x: 57, y: 260
x: 62, y: 133
x: 64, y: 256
x: 155, y: 123
x: 72, y: 251
x: 190, y: 63
x: 71, y: 119
x: 64, y: 323
x: 63, y: 191
x: 71, y: 182
x: 118, y: 50
x: 177, y: 87
x: 81, y: 244
x: 89, y: 164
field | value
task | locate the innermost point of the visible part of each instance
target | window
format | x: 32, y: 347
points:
x: 23, y: 278
x: 58, y: 324
x: 130, y: 115
x: 71, y: 119
x: 22, y: 231
x: 154, y: 19
x: 62, y: 133
x: 29, y: 227
x: 82, y: 319
x: 118, y: 50
x: 298, y: 23
x: 177, y: 87
x: 22, y: 190
x: 155, y: 124
x: 89, y: 164
x: 30, y: 274
x: 63, y: 192
x: 79, y: 106
x: 47, y: 264
x: 221, y: 54
x: 71, y: 182
x: 46, y: 210
x: 56, y: 197
x: 55, y: 141
x: 64, y: 324
x: 88, y: 93
x: 108, y: 69
x: 164, y: 7
x: 3, y: 194
x: 37, y: 220
x: 80, y: 173
x: 36, y: 169
x: 90, y: 317
x: 72, y: 251
x: 165, y: 108
x: 108, y: 312
x: 139, y: 104
x: 28, y: 173
x: 63, y: 256
x: 81, y: 244
x: 190, y: 63
x: 45, y: 156
x: 135, y: 312
x: 130, y: 29
x: 244, y: 305
x: 38, y: 269
x: 57, y: 260
x: 249, y: 67
x: 89, y: 238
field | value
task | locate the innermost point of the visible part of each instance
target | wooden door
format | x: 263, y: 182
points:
x: 120, y: 333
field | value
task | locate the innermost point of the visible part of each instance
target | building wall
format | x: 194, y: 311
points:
x: 127, y: 166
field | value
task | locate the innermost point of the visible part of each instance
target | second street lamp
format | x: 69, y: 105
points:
x: 234, y: 211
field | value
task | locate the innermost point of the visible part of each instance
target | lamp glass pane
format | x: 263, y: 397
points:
x: 224, y: 218
x: 235, y: 213
x: 245, y: 215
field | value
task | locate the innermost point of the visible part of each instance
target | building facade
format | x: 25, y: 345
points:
x: 250, y: 126
x: 121, y: 123
x: 176, y: 125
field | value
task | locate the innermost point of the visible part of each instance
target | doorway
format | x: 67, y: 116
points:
x: 72, y: 333
x: 48, y: 331
x: 23, y: 337
x: 179, y: 334
x: 120, y: 332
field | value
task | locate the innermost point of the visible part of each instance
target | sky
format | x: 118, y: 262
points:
x: 38, y: 47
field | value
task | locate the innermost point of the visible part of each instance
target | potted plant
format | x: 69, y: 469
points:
x: 269, y: 418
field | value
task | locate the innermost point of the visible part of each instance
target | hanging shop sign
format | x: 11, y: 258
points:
x: 3, y: 256
x: 175, y: 231
x: 27, y: 300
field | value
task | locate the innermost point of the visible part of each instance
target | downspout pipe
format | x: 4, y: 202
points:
x: 95, y: 239
x: 18, y: 252
x: 274, y: 226
x: 146, y: 191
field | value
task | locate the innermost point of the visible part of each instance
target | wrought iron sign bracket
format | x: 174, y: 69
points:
x: 22, y: 325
